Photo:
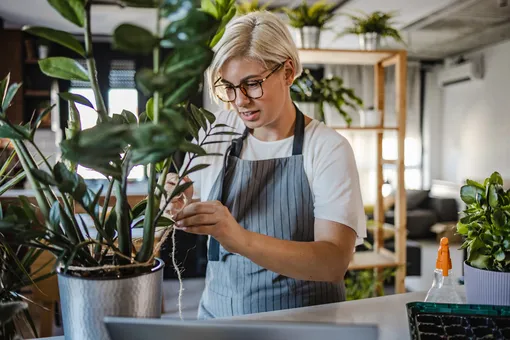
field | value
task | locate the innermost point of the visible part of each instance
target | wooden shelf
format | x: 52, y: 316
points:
x: 346, y: 57
x: 370, y: 259
x: 37, y: 93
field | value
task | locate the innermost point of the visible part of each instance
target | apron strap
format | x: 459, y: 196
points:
x: 213, y: 252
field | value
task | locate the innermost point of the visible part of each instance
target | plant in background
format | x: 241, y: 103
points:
x: 329, y: 90
x: 378, y: 23
x: 316, y: 15
x: 118, y: 142
x: 248, y: 6
x: 485, y: 224
x: 363, y: 284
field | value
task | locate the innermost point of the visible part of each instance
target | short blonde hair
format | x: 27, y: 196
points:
x: 261, y: 36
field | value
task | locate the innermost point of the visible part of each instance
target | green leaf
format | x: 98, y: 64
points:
x: 192, y: 148
x: 462, y: 228
x: 9, y: 96
x: 196, y: 27
x: 493, y: 196
x: 148, y: 82
x: 180, y: 189
x: 499, y: 218
x: 468, y: 193
x: 475, y: 184
x: 500, y: 256
x: 182, y: 93
x: 197, y: 167
x: 134, y: 39
x: 60, y: 37
x: 72, y: 10
x: 28, y: 207
x: 208, y: 6
x: 129, y: 116
x: 199, y: 117
x: 14, y: 132
x: 479, y: 261
x: 63, y: 68
x: 208, y: 115
x: 76, y: 98
x: 43, y: 177
x: 188, y: 61
x: 496, y: 178
x: 3, y: 89
x: 39, y: 118
x: 149, y: 108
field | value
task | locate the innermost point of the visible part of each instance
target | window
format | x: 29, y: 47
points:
x: 122, y: 95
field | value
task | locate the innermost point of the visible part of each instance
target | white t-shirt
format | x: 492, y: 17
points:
x: 328, y: 161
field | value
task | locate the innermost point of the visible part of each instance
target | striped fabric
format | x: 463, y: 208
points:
x: 271, y: 197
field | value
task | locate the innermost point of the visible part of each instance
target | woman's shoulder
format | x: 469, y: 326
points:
x: 320, y: 134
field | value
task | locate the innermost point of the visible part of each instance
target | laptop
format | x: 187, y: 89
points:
x: 121, y: 328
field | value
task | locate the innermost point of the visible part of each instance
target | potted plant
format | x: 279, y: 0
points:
x: 485, y: 224
x: 370, y: 28
x: 248, y: 6
x: 309, y: 21
x: 311, y: 95
x: 93, y: 269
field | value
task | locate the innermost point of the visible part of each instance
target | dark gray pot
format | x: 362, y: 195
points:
x: 485, y: 287
x: 85, y: 302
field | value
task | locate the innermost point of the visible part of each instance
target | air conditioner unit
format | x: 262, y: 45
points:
x: 467, y: 71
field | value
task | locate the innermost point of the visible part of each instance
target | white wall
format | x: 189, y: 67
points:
x: 470, y: 136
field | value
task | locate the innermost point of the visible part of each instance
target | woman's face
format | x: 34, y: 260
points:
x: 263, y: 111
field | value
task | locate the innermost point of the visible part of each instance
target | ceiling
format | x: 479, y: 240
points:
x: 433, y: 29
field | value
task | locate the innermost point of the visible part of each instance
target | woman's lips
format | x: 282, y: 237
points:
x: 250, y: 115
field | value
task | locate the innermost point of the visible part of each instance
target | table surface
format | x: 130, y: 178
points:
x: 388, y: 312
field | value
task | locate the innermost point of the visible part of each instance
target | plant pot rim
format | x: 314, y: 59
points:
x: 160, y: 265
x: 485, y: 270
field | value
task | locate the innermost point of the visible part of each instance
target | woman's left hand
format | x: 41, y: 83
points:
x: 212, y: 218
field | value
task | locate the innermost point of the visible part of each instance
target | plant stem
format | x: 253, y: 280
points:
x: 122, y: 211
x: 91, y: 66
x: 148, y: 227
x: 102, y: 219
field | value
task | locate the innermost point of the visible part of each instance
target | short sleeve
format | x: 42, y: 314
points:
x: 336, y: 186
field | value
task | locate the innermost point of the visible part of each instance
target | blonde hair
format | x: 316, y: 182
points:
x: 260, y: 36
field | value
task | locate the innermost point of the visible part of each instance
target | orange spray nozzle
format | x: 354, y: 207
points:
x: 444, y: 262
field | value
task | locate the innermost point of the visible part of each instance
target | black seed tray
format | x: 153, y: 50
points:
x: 443, y: 321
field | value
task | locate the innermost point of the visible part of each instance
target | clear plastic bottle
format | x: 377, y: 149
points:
x: 443, y: 289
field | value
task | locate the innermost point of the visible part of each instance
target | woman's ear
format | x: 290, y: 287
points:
x: 290, y: 71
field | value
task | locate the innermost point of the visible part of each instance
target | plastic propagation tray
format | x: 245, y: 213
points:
x: 455, y: 321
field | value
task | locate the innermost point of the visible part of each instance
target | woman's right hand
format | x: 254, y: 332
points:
x: 180, y: 201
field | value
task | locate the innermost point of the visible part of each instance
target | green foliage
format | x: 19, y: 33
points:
x: 248, y: 6
x: 375, y: 22
x: 362, y: 284
x: 325, y: 91
x: 485, y: 223
x: 118, y: 142
x: 317, y: 15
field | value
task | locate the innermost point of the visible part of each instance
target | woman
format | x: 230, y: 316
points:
x: 284, y: 207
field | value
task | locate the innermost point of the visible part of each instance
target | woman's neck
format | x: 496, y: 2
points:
x: 281, y: 128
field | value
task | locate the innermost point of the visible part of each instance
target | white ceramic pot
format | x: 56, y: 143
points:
x: 308, y: 37
x: 369, y: 41
x: 485, y: 287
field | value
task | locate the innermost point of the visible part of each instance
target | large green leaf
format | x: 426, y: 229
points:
x: 468, y: 193
x: 134, y: 39
x: 76, y: 98
x: 496, y: 178
x: 129, y: 116
x: 192, y: 148
x: 11, y: 92
x: 14, y: 132
x: 60, y: 37
x: 493, y: 196
x: 188, y: 61
x: 196, y: 27
x: 499, y: 218
x: 43, y: 177
x: 63, y: 68
x: 72, y: 10
x: 479, y: 261
x: 181, y: 93
x: 148, y: 82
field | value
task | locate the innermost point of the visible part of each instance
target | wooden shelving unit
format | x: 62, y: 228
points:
x: 380, y: 257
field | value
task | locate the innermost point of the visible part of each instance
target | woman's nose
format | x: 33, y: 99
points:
x: 241, y: 98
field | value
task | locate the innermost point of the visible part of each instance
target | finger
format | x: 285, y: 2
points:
x: 196, y: 208
x: 197, y: 220
x: 197, y: 230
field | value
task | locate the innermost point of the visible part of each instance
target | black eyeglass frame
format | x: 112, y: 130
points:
x: 243, y: 90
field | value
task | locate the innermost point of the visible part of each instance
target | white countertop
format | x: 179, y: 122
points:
x: 388, y: 312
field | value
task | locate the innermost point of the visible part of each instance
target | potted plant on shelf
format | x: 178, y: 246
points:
x: 95, y: 264
x: 309, y: 20
x: 248, y: 6
x: 311, y: 95
x: 370, y: 28
x: 485, y: 224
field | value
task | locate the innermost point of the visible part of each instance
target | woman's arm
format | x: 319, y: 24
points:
x: 325, y: 259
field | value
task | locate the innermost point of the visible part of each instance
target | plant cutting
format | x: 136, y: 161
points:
x: 95, y: 262
x: 330, y: 90
x: 485, y: 224
x: 310, y: 20
x: 370, y: 28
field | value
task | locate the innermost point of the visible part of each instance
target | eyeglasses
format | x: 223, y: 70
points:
x: 250, y: 88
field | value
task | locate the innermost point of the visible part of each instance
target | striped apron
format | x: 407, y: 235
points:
x: 270, y: 197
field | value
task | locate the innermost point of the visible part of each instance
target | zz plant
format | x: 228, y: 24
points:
x: 182, y: 51
x: 485, y: 223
